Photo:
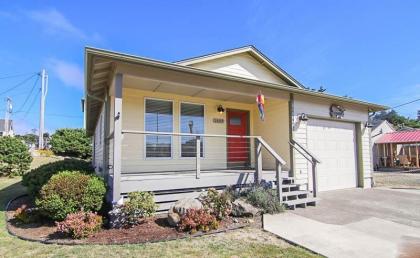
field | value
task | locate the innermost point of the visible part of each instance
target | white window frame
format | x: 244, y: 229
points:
x: 204, y: 129
x: 144, y: 126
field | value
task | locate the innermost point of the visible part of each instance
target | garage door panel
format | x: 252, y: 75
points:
x: 334, y: 143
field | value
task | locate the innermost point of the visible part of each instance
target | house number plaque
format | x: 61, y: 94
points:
x: 218, y: 120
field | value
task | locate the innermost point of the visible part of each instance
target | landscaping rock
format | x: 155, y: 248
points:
x: 181, y: 206
x: 241, y: 208
x: 173, y: 219
x: 116, y: 219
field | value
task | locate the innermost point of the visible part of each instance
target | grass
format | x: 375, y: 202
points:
x: 245, y: 243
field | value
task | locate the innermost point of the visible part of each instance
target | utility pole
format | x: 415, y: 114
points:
x: 7, y: 116
x: 44, y: 90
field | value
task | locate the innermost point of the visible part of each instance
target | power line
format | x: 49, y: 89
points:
x: 29, y: 95
x: 18, y: 84
x: 32, y: 104
x: 14, y: 76
x: 406, y: 103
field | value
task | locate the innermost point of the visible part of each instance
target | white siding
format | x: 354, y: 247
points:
x: 317, y: 107
x: 242, y: 65
x: 99, y: 144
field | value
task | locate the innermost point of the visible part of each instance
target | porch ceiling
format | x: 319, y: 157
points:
x: 188, y: 90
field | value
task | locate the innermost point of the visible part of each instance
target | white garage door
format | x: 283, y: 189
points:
x: 334, y: 143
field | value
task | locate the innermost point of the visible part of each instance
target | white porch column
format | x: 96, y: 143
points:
x: 116, y: 195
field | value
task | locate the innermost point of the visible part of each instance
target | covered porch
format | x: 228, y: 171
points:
x: 399, y: 150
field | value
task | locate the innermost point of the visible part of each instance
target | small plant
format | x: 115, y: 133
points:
x: 80, y: 224
x: 265, y: 199
x: 198, y: 220
x: 26, y: 215
x: 69, y: 192
x: 35, y: 179
x: 138, y: 206
x: 15, y: 158
x: 218, y: 204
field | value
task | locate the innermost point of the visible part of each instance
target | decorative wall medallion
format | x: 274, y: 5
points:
x: 337, y: 111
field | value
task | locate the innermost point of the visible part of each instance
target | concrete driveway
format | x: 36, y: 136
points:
x: 355, y: 223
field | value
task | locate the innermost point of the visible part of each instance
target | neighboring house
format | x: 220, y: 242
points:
x: 6, y: 128
x: 379, y: 128
x: 150, y: 120
x: 399, y: 149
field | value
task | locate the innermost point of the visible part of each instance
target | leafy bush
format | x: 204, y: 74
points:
x: 198, y: 220
x: 35, y: 179
x: 69, y: 192
x: 71, y: 142
x: 218, y: 204
x: 80, y: 224
x: 15, y: 158
x: 139, y: 205
x: 264, y: 198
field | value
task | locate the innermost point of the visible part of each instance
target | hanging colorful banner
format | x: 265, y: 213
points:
x: 260, y: 103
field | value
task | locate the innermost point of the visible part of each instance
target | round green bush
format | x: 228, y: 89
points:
x: 69, y: 192
x: 35, y: 179
x: 15, y: 158
x: 71, y: 142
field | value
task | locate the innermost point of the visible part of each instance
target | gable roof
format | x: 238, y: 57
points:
x: 377, y: 123
x: 251, y: 50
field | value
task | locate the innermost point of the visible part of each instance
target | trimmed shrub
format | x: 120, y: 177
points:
x: 69, y: 192
x: 35, y: 179
x: 72, y: 143
x: 265, y: 199
x: 138, y: 206
x: 15, y: 158
x: 198, y: 220
x: 218, y: 204
x: 80, y: 224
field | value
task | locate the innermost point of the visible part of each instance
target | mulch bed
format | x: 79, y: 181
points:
x: 152, y: 230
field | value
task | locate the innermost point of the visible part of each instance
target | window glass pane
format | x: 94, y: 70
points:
x: 192, y: 121
x: 235, y: 121
x: 159, y: 118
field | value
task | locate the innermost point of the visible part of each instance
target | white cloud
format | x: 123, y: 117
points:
x: 69, y: 73
x: 55, y: 22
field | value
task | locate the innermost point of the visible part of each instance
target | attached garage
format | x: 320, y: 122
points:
x: 334, y: 143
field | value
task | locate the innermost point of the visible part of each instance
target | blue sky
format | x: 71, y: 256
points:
x: 368, y: 50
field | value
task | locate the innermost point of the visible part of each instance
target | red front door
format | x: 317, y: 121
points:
x: 238, y: 148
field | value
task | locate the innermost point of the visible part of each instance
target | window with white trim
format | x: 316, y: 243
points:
x: 192, y: 121
x: 158, y: 118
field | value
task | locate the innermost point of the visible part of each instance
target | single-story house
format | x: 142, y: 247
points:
x: 177, y: 128
x: 379, y: 128
x: 398, y: 150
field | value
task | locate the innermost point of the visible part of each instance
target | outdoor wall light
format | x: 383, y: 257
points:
x: 220, y: 109
x: 303, y: 117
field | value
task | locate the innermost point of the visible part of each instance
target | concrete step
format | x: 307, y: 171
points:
x: 292, y: 204
x: 295, y: 193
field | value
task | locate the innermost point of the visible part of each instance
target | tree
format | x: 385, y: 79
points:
x: 397, y: 120
x: 28, y: 138
x: 15, y: 158
x: 71, y: 142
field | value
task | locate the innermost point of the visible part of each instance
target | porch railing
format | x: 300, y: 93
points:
x: 207, y: 152
x: 312, y: 159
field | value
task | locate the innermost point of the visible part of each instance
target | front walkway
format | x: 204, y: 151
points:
x: 355, y: 223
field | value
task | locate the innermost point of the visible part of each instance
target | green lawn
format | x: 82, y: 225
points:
x: 244, y: 243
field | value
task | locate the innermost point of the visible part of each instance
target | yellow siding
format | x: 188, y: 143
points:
x: 274, y: 129
x: 242, y: 65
